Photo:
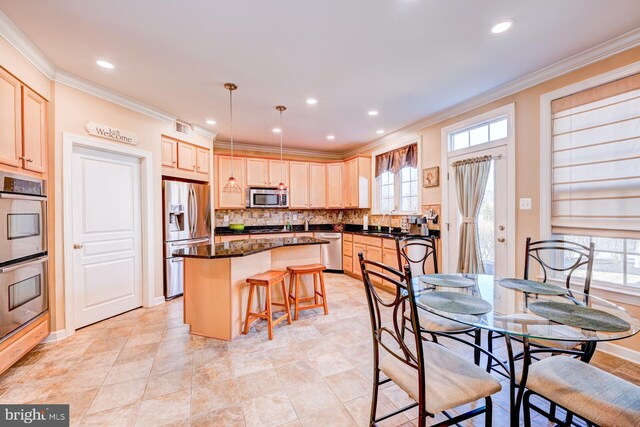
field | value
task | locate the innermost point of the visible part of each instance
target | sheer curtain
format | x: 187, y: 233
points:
x: 471, y: 181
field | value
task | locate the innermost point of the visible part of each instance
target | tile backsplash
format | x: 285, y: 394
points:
x: 252, y: 217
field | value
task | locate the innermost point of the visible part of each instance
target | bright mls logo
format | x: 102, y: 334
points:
x: 34, y: 415
x: 104, y: 131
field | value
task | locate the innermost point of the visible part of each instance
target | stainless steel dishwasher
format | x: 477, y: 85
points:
x: 331, y: 253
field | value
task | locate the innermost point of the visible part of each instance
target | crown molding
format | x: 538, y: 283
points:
x: 19, y: 40
x: 199, y: 130
x: 112, y: 96
x: 597, y: 53
x: 276, y: 149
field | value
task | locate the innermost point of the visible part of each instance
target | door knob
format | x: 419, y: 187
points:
x: 501, y: 239
x: 77, y: 246
x: 501, y: 228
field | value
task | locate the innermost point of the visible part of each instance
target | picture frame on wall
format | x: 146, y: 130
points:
x: 431, y: 177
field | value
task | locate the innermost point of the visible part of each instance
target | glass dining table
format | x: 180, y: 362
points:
x: 526, y: 312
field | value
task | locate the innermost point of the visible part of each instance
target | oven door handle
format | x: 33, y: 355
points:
x: 22, y: 197
x: 11, y: 268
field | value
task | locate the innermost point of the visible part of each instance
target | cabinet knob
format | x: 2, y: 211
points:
x: 29, y: 160
x: 173, y: 163
x: 77, y: 246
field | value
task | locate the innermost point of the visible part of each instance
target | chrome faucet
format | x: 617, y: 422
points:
x: 306, y: 222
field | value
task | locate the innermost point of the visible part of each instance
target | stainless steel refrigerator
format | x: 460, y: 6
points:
x: 187, y: 222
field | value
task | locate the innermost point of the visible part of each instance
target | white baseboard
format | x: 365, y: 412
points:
x: 56, y: 336
x: 158, y: 300
x: 619, y: 351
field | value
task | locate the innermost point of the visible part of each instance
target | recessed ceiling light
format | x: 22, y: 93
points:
x: 373, y: 113
x: 502, y: 26
x: 105, y: 64
x: 380, y: 131
x: 312, y: 101
x: 331, y: 137
x: 211, y: 122
x: 276, y: 130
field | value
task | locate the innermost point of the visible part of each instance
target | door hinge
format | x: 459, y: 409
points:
x: 447, y: 176
x: 447, y: 226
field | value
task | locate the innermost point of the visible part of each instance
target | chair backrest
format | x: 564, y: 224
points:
x: 386, y: 311
x: 552, y: 254
x: 416, y: 251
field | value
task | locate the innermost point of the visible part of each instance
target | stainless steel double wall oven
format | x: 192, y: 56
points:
x: 23, y: 251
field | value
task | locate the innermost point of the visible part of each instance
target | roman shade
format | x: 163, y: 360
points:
x: 596, y: 161
x: 393, y: 161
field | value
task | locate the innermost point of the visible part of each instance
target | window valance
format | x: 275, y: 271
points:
x: 393, y: 161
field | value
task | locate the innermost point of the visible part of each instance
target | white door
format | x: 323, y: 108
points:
x: 492, y: 220
x: 107, y: 270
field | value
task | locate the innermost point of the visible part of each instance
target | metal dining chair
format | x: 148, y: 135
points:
x: 417, y: 251
x: 436, y: 378
x: 583, y: 390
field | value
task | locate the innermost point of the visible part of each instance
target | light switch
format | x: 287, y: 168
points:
x: 525, y: 204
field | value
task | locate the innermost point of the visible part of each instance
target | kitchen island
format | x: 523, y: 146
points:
x: 215, y: 288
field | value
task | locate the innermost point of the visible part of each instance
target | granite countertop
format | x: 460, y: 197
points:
x: 241, y: 248
x: 348, y: 228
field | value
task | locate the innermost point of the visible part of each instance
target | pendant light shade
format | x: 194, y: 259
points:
x: 232, y: 184
x: 282, y: 188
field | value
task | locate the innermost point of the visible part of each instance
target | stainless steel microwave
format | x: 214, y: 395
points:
x: 266, y: 198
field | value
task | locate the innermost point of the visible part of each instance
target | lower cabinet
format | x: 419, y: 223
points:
x: 17, y: 346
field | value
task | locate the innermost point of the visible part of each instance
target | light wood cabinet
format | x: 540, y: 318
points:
x: 299, y: 185
x: 335, y: 187
x: 230, y: 200
x: 202, y: 160
x: 34, y: 130
x: 278, y: 172
x: 357, y: 183
x: 317, y: 186
x: 186, y: 157
x: 19, y: 344
x: 371, y: 248
x: 257, y: 172
x: 169, y: 152
x: 10, y: 120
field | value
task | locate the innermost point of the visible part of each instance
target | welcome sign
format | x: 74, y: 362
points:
x: 108, y: 132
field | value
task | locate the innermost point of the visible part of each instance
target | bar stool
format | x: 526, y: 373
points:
x: 294, y: 277
x: 268, y: 279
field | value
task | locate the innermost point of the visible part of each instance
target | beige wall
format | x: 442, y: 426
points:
x: 24, y: 70
x: 73, y: 108
x: 527, y: 118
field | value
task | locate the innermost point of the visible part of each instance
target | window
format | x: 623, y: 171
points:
x: 482, y: 133
x: 617, y: 261
x: 396, y: 183
x: 594, y: 177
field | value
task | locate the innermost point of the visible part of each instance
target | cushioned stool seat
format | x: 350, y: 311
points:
x: 585, y: 390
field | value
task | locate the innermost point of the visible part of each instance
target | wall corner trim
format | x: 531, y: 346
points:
x: 56, y: 336
x: 158, y: 301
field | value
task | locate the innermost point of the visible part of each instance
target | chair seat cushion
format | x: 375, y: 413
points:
x: 432, y: 322
x: 587, y: 391
x: 450, y: 380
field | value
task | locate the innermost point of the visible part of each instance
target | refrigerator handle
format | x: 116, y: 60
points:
x: 194, y: 212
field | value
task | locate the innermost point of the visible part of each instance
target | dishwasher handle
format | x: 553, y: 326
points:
x: 328, y: 235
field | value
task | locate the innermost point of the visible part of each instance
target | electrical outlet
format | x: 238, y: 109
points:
x: 525, y: 204
x: 295, y: 217
x: 226, y: 219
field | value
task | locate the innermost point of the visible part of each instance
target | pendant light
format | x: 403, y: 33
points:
x: 232, y: 185
x: 282, y: 189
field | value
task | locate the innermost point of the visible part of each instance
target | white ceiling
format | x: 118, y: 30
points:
x: 405, y: 58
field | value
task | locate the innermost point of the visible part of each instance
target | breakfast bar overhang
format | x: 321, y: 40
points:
x: 215, y: 288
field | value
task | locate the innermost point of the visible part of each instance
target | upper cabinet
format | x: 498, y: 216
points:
x: 257, y: 172
x: 202, y: 160
x: 311, y: 185
x: 10, y: 120
x: 186, y: 157
x: 299, y: 186
x: 184, y: 160
x: 358, y: 183
x: 34, y: 130
x: 224, y: 171
x: 23, y: 127
x: 335, y: 187
x: 317, y: 186
x: 278, y: 172
x: 169, y: 153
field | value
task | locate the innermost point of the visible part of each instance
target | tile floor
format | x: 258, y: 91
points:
x: 143, y: 368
